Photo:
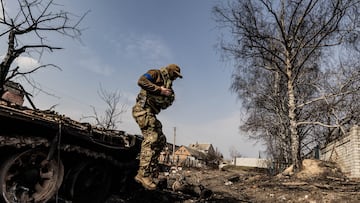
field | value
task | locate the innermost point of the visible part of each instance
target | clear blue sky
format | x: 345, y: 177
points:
x: 124, y: 38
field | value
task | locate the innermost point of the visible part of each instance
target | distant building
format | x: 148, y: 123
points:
x: 190, y: 157
x: 194, y: 155
x: 205, y: 148
x: 251, y: 162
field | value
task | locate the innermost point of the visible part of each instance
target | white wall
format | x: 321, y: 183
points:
x: 345, y: 152
x: 251, y: 162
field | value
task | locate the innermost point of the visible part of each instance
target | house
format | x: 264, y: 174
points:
x: 194, y: 155
x: 190, y: 157
x: 205, y: 148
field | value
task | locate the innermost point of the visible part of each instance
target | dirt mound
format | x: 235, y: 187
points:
x: 315, y: 169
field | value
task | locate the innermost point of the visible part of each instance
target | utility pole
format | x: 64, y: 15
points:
x: 174, y: 145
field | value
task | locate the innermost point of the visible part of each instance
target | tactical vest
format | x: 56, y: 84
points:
x: 158, y: 102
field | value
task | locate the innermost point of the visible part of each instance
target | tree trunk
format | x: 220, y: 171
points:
x: 10, y: 56
x: 295, y: 153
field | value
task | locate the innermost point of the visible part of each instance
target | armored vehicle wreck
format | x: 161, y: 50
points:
x: 45, y: 156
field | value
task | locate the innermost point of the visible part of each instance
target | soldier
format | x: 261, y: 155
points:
x: 156, y: 94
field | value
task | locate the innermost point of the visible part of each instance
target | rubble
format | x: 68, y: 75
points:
x: 318, y: 182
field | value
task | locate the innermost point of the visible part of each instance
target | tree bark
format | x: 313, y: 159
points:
x: 294, y: 136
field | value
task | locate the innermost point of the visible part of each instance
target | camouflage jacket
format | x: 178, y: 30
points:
x: 149, y: 96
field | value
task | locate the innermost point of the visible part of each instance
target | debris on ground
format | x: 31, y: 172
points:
x: 317, y: 182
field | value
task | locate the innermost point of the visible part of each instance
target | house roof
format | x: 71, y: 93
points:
x: 195, y: 153
x: 202, y: 147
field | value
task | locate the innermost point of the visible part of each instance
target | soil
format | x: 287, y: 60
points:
x: 317, y: 182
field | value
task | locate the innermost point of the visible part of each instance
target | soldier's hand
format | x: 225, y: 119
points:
x: 165, y: 91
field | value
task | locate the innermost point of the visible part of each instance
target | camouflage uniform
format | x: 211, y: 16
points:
x: 150, y: 102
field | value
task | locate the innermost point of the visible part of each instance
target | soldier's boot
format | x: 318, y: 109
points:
x: 146, y: 182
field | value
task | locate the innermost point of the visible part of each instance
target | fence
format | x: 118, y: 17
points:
x: 345, y: 152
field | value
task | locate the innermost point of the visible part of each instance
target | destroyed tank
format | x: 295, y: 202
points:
x: 48, y: 157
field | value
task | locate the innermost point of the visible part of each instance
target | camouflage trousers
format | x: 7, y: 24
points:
x: 153, y: 143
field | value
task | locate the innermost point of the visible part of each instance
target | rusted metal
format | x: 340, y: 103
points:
x: 68, y: 142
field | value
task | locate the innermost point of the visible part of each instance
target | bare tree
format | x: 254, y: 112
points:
x: 285, y: 41
x: 111, y: 117
x: 234, y: 153
x: 339, y: 109
x: 34, y: 20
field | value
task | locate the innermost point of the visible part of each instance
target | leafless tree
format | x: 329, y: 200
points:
x: 34, y: 20
x: 111, y: 117
x: 339, y: 109
x: 234, y: 153
x: 280, y: 47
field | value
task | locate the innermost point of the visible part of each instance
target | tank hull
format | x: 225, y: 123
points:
x: 46, y: 156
